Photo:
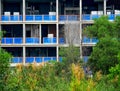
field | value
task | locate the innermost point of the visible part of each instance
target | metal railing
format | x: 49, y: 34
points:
x: 34, y: 59
x: 12, y: 40
x: 47, y: 40
x: 28, y: 18
x: 69, y: 18
x: 90, y: 40
x: 17, y: 60
x: 32, y: 40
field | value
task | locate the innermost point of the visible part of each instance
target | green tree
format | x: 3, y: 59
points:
x: 4, y: 64
x: 104, y: 54
x: 4, y: 68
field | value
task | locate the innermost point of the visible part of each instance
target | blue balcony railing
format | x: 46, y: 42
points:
x: 40, y: 18
x: 92, y: 17
x: 11, y: 18
x: 89, y: 40
x: 28, y: 18
x: 68, y: 18
x: 17, y: 60
x: 32, y: 40
x: 12, y: 41
x: 34, y: 59
x: 47, y: 40
x: 61, y: 40
x: 41, y: 59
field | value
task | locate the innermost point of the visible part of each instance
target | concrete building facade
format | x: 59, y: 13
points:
x: 35, y: 29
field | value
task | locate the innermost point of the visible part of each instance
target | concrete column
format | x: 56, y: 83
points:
x: 24, y: 10
x: 105, y: 3
x: 57, y: 17
x: 80, y: 5
x: 24, y: 55
x: 57, y: 30
x: 24, y: 33
x: 0, y: 8
x: 57, y: 34
x: 40, y: 33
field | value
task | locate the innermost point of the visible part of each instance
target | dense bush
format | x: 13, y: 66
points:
x: 4, y: 67
x: 46, y: 78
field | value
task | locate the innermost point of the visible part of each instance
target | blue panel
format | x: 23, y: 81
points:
x: 94, y: 40
x: 20, y: 60
x: 86, y: 17
x: 72, y: 18
x: 86, y: 40
x: 111, y: 17
x: 62, y: 41
x: 54, y: 40
x: 14, y: 18
x: 3, y: 41
x: 21, y: 18
x: 29, y: 18
x: 18, y: 40
x: 9, y: 40
x: 29, y: 59
x: 16, y: 60
x: 53, y: 18
x: 38, y: 59
x: 46, y: 59
x: 47, y: 18
x: 60, y: 59
x: 5, y: 18
x: 63, y: 18
x: 32, y: 40
x: 95, y: 17
x: 54, y: 58
x: 85, y: 59
x: 38, y: 17
x: 46, y: 40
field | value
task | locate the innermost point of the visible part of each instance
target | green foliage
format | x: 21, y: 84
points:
x: 1, y: 34
x: 35, y: 78
x: 102, y: 27
x: 71, y: 54
x: 104, y: 55
x: 4, y: 67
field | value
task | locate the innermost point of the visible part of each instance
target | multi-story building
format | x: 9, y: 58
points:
x: 34, y: 27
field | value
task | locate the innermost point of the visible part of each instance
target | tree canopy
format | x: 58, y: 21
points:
x: 104, y: 55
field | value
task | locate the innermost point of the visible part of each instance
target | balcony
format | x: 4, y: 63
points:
x: 11, y: 18
x: 41, y: 59
x: 61, y: 41
x: 90, y: 40
x: 88, y: 17
x: 17, y: 60
x: 47, y: 40
x: 68, y: 18
x: 6, y: 18
x: 12, y: 41
x: 32, y: 40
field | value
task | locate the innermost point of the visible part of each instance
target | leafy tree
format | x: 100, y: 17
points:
x: 4, y: 68
x: 4, y: 64
x: 104, y: 54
